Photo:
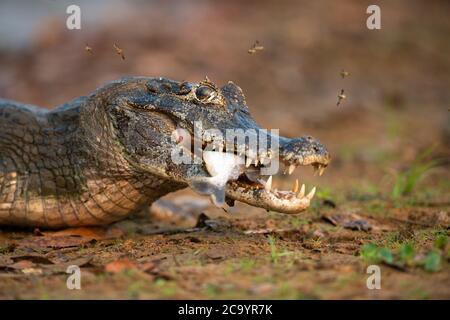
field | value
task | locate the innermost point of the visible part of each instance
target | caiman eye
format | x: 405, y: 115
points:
x: 205, y: 93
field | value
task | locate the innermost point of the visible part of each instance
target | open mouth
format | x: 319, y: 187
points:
x: 235, y: 178
x: 258, y: 190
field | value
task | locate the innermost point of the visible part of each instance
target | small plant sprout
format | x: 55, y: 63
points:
x: 406, y: 253
x: 371, y: 253
x: 274, y: 253
x: 432, y: 262
x: 407, y: 179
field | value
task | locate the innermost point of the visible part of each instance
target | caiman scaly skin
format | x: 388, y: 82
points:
x: 100, y: 158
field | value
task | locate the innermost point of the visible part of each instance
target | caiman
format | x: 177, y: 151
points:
x: 102, y: 157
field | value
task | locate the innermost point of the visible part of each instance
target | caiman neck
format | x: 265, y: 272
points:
x: 76, y: 173
x: 112, y: 186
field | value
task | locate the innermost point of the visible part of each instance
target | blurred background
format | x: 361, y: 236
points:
x: 389, y: 141
x: 397, y: 104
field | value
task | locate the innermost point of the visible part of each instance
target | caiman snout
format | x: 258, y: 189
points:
x: 304, y: 151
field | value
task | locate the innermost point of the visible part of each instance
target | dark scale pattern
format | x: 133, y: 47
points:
x: 59, y: 169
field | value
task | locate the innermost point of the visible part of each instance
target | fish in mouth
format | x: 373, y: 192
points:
x: 238, y: 177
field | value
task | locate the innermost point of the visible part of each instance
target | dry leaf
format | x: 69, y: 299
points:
x: 22, y: 264
x: 34, y: 271
x: 52, y: 242
x: 62, y: 267
x: 95, y: 233
x: 33, y: 258
x: 120, y: 266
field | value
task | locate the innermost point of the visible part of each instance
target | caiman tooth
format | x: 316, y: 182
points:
x: 295, y: 188
x: 248, y: 162
x: 301, y: 194
x: 291, y: 168
x: 321, y: 170
x: 316, y: 169
x: 310, y: 195
x: 268, y: 184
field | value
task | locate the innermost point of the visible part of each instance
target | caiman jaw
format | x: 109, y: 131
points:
x: 232, y: 178
x: 261, y: 194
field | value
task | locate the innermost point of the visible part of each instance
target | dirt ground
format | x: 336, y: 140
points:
x: 384, y: 200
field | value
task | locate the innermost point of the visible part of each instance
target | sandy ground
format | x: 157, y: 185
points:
x: 397, y: 109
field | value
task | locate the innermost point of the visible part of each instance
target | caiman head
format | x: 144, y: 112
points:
x: 202, y: 136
